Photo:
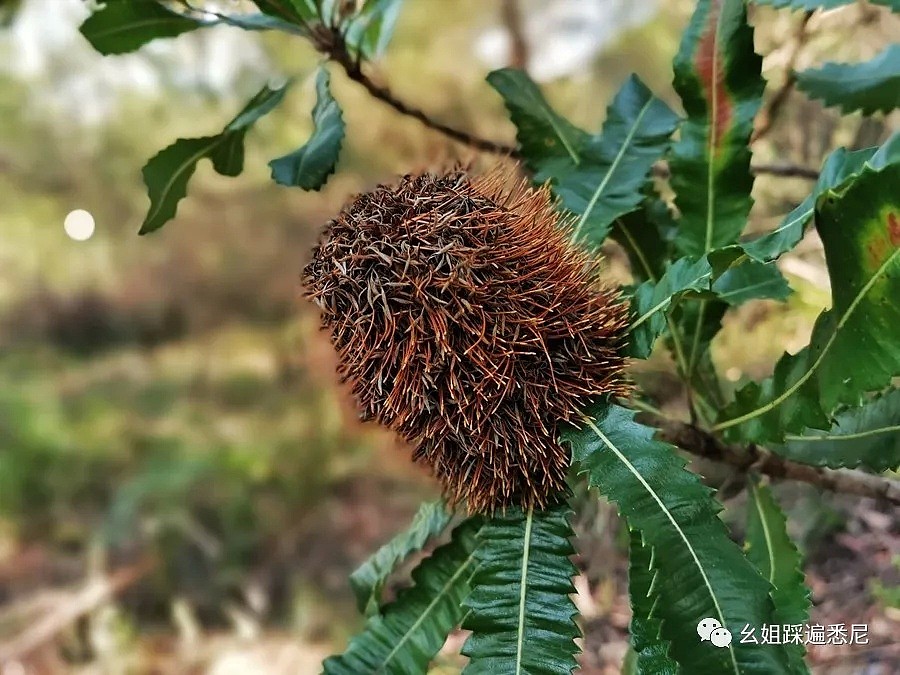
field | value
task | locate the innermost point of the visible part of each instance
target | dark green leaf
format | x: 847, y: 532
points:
x: 167, y: 174
x: 309, y: 166
x: 749, y: 280
x: 597, y: 178
x: 651, y: 301
x: 646, y: 235
x: 411, y: 630
x: 853, y: 348
x: 519, y: 611
x: 769, y: 547
x: 717, y: 75
x: 606, y: 183
x: 651, y: 652
x: 370, y: 30
x: 872, y: 86
x: 699, y: 322
x: 867, y: 435
x: 122, y: 26
x: 369, y: 579
x: 549, y: 143
x: 701, y: 573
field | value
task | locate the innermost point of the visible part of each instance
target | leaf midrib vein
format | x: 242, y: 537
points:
x: 763, y: 409
x: 526, y: 553
x: 681, y: 534
x: 612, y: 169
x: 418, y: 622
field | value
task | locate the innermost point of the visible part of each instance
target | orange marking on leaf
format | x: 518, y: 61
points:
x: 877, y: 249
x: 893, y: 228
x: 710, y: 63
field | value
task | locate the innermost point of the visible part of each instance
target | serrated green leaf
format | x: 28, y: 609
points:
x: 548, y: 142
x: 646, y: 235
x: 369, y: 31
x: 606, y: 183
x: 751, y: 280
x: 872, y: 86
x: 859, y: 223
x: 121, y: 26
x: 411, y: 630
x: 651, y: 301
x: 597, y: 178
x: 651, y: 652
x: 519, y: 611
x: 167, y: 174
x: 769, y: 547
x: 369, y: 579
x: 866, y: 435
x: 838, y: 167
x: 717, y: 75
x: 699, y: 322
x: 309, y: 166
x: 701, y: 572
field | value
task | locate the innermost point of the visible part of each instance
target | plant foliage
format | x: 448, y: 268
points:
x: 508, y: 577
x: 520, y: 611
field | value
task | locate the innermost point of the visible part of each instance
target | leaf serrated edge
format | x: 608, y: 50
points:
x: 637, y: 474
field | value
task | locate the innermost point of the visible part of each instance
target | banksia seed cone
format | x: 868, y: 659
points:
x: 466, y: 322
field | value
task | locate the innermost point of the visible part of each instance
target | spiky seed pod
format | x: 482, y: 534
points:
x: 466, y: 322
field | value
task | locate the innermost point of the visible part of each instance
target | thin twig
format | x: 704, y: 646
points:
x: 700, y: 442
x: 512, y: 17
x: 787, y: 170
x: 770, y: 113
x: 661, y: 170
x: 334, y: 46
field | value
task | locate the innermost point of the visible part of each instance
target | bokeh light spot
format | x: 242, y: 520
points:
x: 79, y: 225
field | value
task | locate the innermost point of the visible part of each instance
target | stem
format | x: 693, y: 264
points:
x: 337, y: 51
x: 771, y: 112
x: 702, y: 443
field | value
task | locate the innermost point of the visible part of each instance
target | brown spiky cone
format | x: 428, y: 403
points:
x: 466, y: 322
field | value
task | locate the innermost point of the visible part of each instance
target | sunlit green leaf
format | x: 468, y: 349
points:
x: 717, y: 75
x: 701, y: 573
x: 520, y: 611
x: 651, y: 301
x: 751, y: 280
x: 369, y: 579
x: 769, y: 547
x: 871, y: 86
x: 840, y: 165
x: 409, y: 632
x: 598, y: 178
x: 124, y: 25
x: 614, y: 165
x: 853, y: 348
x: 369, y: 31
x: 167, y: 174
x: 309, y: 166
x: 866, y: 435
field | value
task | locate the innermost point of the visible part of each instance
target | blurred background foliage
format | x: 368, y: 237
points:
x: 168, y: 404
